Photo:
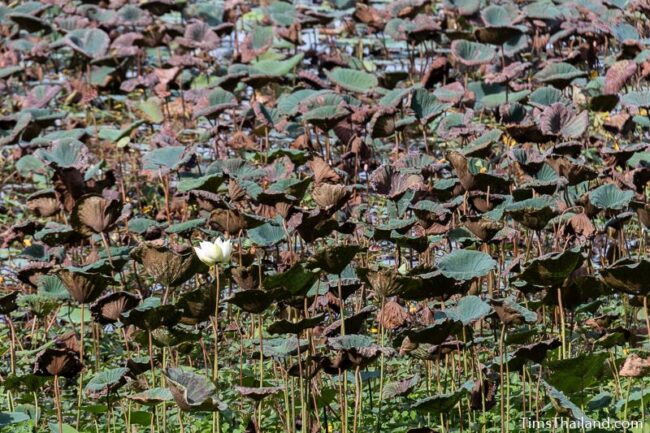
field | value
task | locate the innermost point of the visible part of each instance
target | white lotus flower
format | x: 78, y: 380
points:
x: 215, y: 252
x: 226, y: 249
x: 209, y: 252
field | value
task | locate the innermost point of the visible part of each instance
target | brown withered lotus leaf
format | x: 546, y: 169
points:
x: 387, y: 282
x: 635, y: 366
x: 386, y: 180
x: 400, y: 388
x: 252, y: 301
x: 33, y: 271
x: 436, y: 72
x: 8, y: 302
x: 108, y: 308
x: 628, y: 276
x: 322, y: 171
x: 258, y: 393
x: 618, y: 75
x: 558, y: 120
x: 229, y: 221
x: 69, y: 340
x: 168, y: 266
x: 536, y: 352
x: 246, y: 277
x: 483, y: 228
x: 84, y: 287
x: 392, y: 315
x: 295, y: 327
x: 352, y: 324
x: 580, y: 225
x: 93, y: 213
x: 574, y: 171
x: 57, y: 362
x: 44, y: 203
x: 484, y: 392
x: 329, y: 196
x: 353, y: 351
x: 199, y: 35
x: 196, y: 306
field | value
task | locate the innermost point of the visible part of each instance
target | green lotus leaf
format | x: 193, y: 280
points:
x: 106, y: 382
x: 545, y: 96
x: 559, y: 74
x: 553, y: 268
x: 636, y: 99
x: 563, y: 405
x: 295, y: 280
x: 469, y: 309
x: 426, y: 105
x: 281, y: 13
x: 165, y: 158
x: 8, y: 418
x: 353, y: 80
x: 267, y: 234
x: 275, y: 68
x: 151, y: 314
x: 65, y: 153
x: 534, y: 213
x: 92, y: 43
x: 610, y: 197
x: 463, y: 265
x: 464, y: 7
x: 219, y: 100
x: 193, y: 392
x: 152, y: 396
x: 572, y: 376
x: 472, y: 53
x: 442, y: 403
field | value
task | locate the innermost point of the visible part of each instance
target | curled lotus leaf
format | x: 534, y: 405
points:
x: 193, y: 392
x: 258, y: 393
x: 334, y: 259
x: 57, y: 362
x: 610, y: 197
x: 151, y: 314
x: 628, y: 276
x: 552, y: 269
x: 534, y: 213
x: 108, y: 308
x: 84, y: 287
x: 401, y: 387
x: 93, y: 213
x: 559, y: 74
x: 252, y: 301
x: 106, y: 382
x: 152, y: 396
x: 442, y: 403
x: 295, y: 327
x: 472, y: 53
x: 168, y: 266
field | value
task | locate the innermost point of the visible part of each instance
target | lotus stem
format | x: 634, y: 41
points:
x: 562, y: 330
x: 57, y: 398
